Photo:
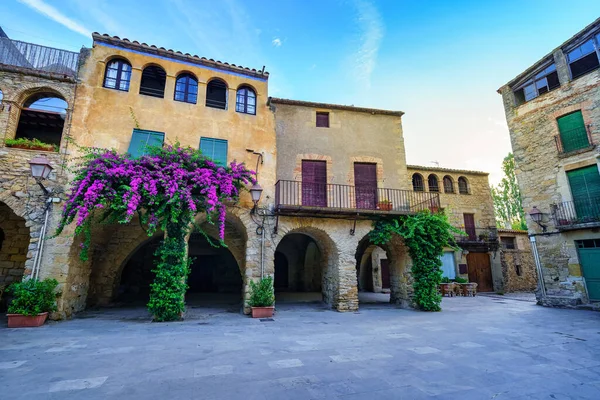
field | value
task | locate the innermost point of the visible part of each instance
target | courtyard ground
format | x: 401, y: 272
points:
x: 477, y: 348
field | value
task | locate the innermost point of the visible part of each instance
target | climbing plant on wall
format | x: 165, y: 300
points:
x: 166, y: 189
x: 425, y: 234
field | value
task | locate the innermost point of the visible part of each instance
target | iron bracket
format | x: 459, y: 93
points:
x: 353, y: 229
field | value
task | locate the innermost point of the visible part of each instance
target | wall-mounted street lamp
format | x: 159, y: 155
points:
x: 255, y: 192
x: 40, y: 170
x: 537, y: 216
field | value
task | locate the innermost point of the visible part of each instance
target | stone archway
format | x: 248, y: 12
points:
x: 14, y: 245
x: 398, y: 265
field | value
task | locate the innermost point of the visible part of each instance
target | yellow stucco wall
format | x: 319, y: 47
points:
x: 352, y: 136
x: 106, y: 117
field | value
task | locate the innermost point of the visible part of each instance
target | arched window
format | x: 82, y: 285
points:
x: 418, y: 185
x: 463, y: 185
x: 117, y: 75
x: 448, y: 184
x: 153, y: 81
x: 245, y: 101
x: 432, y: 182
x: 43, y: 118
x: 186, y: 88
x: 216, y: 94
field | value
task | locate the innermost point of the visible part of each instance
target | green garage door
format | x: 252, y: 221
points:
x: 590, y: 267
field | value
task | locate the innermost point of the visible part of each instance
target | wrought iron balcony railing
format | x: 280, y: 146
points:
x: 477, y: 235
x: 570, y: 213
x: 296, y: 196
x: 41, y: 58
x: 575, y: 139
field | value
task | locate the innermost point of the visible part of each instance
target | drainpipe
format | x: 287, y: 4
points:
x: 538, y: 266
x: 262, y: 253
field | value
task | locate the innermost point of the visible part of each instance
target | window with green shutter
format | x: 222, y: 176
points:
x: 573, y: 134
x: 141, y: 139
x: 585, y: 189
x: 215, y: 149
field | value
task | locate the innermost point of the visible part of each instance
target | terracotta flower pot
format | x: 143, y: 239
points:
x: 25, y: 321
x: 385, y: 206
x: 262, y: 312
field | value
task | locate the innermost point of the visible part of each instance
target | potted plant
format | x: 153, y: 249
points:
x: 30, y: 144
x: 31, y: 303
x: 262, y: 298
x: 384, y: 205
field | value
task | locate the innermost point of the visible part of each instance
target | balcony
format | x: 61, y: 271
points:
x: 40, y: 58
x: 577, y: 214
x: 483, y: 239
x: 576, y: 141
x: 298, y: 198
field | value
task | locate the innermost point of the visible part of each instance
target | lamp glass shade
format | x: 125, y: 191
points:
x: 256, y: 192
x: 40, y: 167
x: 536, y: 215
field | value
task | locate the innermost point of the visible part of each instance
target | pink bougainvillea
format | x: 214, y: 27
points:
x: 159, y: 187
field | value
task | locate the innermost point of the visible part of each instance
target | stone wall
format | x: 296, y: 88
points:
x: 518, y: 265
x: 478, y: 201
x: 542, y: 172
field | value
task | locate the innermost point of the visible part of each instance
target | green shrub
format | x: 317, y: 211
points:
x: 445, y: 279
x: 262, y: 294
x: 33, y: 297
x: 461, y: 280
x: 30, y: 143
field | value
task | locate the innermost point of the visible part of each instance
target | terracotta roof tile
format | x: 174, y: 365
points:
x: 462, y: 171
x: 178, y: 55
x: 276, y: 100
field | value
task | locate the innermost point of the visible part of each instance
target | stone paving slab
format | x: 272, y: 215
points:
x: 476, y: 348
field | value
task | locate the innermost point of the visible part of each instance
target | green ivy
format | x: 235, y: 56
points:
x: 425, y: 234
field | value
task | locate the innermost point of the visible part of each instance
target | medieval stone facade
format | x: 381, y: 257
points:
x: 552, y: 110
x: 327, y: 171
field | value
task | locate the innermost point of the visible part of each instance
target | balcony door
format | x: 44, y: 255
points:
x: 314, y: 183
x: 585, y: 188
x: 365, y: 185
x: 470, y: 226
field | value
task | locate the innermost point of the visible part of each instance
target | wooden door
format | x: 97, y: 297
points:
x: 590, y: 266
x: 365, y: 185
x: 385, y: 273
x: 470, y: 226
x: 480, y: 271
x: 314, y: 183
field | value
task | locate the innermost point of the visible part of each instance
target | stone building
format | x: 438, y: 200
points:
x: 466, y: 198
x: 553, y: 114
x: 37, y: 88
x: 519, y: 272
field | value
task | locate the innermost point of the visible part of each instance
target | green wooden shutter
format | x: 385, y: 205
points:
x: 216, y: 149
x: 141, y: 139
x: 573, y: 134
x: 585, y: 189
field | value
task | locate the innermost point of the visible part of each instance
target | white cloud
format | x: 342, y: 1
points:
x: 55, y: 15
x: 371, y: 29
x: 276, y: 42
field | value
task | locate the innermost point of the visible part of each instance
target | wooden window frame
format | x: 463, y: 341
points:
x: 244, y: 102
x: 186, y: 93
x: 322, y: 114
x: 120, y: 63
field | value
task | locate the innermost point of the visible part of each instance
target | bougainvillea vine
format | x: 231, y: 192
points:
x: 166, y: 189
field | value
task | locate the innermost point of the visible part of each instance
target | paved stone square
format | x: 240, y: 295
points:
x: 477, y: 348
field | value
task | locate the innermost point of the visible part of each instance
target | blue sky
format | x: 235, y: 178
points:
x: 438, y: 61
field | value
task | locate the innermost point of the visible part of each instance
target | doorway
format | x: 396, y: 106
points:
x: 480, y: 271
x: 365, y: 185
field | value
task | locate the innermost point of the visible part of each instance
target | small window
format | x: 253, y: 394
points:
x: 508, y: 243
x: 216, y: 94
x: 432, y: 182
x: 518, y: 270
x: 117, y: 75
x: 463, y: 185
x: 153, y: 81
x: 543, y: 82
x: 583, y: 59
x: 141, y: 139
x: 573, y: 133
x: 186, y: 89
x: 448, y: 184
x: 245, y: 101
x: 1, y: 96
x: 322, y: 119
x: 418, y: 184
x: 215, y: 149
